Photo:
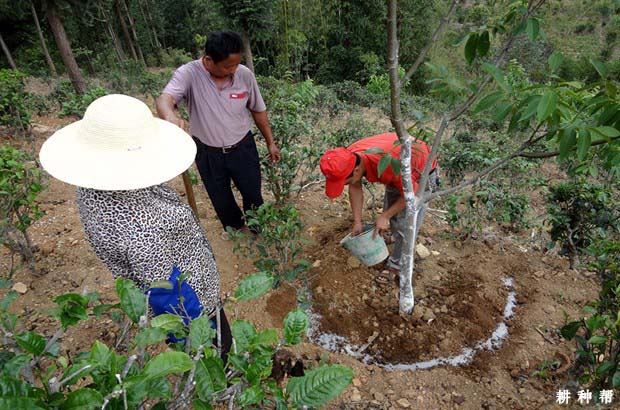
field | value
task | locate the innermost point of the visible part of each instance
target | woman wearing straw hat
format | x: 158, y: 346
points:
x: 119, y: 156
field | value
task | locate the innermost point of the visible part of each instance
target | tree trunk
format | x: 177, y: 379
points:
x: 146, y: 23
x: 64, y: 47
x: 120, y: 54
x: 152, y: 22
x: 46, y: 53
x: 7, y: 53
x: 247, y: 49
x: 133, y: 31
x: 121, y: 19
x: 414, y: 203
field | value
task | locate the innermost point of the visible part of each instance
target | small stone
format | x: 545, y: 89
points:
x: 428, y: 315
x: 404, y: 403
x: 539, y: 274
x: 74, y: 242
x: 357, y: 382
x: 316, y: 263
x: 435, y: 253
x: 443, y: 309
x: 418, y: 312
x: 47, y: 248
x: 458, y: 398
x: 20, y: 287
x: 379, y: 397
x: 422, y: 251
x: 356, y: 396
x: 353, y: 262
x: 318, y: 290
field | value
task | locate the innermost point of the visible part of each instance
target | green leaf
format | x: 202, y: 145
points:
x: 167, y: 363
x: 567, y: 142
x: 201, y: 332
x: 295, y: 323
x: 616, y: 379
x: 319, y: 385
x: 599, y: 67
x: 8, y: 300
x: 101, y: 309
x: 20, y: 403
x: 546, y: 105
x: 13, y: 366
x: 251, y: 395
x: 487, y: 101
x: 243, y: 332
x: 497, y: 75
x: 12, y: 387
x: 149, y: 336
x: 210, y: 377
x: 532, y: 28
x: 470, y: 48
x: 597, y: 340
x: 133, y: 301
x: 267, y: 336
x: 502, y: 111
x: 103, y: 356
x: 583, y: 144
x: 605, y: 367
x: 168, y: 322
x: 555, y: 61
x: 384, y: 162
x: 396, y: 165
x: 254, y: 286
x: 483, y: 45
x: 607, y: 132
x: 83, y: 399
x: 31, y: 342
x: 570, y: 330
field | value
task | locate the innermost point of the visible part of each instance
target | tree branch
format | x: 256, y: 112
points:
x: 549, y: 154
x: 498, y: 164
x: 428, y: 45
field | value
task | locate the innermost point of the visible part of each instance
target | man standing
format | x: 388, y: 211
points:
x: 221, y: 95
x: 347, y: 166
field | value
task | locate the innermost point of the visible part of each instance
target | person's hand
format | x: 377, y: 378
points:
x: 178, y: 122
x: 274, y: 153
x: 382, y: 224
x: 358, y: 228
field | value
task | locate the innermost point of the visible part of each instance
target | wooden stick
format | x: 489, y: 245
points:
x: 189, y: 190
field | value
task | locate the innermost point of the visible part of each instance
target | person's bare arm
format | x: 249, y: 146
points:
x: 262, y: 122
x: 166, y: 110
x: 382, y: 221
x: 356, y: 199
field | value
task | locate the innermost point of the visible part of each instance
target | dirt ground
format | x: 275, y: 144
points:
x: 459, y: 292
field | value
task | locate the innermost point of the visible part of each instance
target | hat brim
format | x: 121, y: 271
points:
x: 334, y: 188
x: 166, y: 153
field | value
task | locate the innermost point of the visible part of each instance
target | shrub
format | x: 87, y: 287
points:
x: 34, y: 374
x: 14, y: 100
x: 76, y: 104
x: 580, y: 214
x: 278, y: 246
x: 598, y: 336
x: 20, y: 183
x: 173, y: 57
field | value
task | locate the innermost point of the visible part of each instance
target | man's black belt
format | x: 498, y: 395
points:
x: 229, y: 148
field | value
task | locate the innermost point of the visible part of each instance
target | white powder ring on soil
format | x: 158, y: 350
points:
x: 339, y: 344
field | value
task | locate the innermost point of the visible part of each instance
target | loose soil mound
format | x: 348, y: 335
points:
x: 460, y: 300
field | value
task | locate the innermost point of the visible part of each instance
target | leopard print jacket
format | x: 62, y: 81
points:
x: 141, y: 234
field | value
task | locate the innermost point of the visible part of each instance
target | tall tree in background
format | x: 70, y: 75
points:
x: 133, y: 30
x: 7, y: 53
x: 126, y: 36
x: 64, y: 47
x: 253, y: 17
x: 46, y: 53
x: 118, y: 49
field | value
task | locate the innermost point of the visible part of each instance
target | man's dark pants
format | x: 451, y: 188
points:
x: 241, y: 165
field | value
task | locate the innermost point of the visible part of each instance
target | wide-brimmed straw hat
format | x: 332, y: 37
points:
x: 118, y: 145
